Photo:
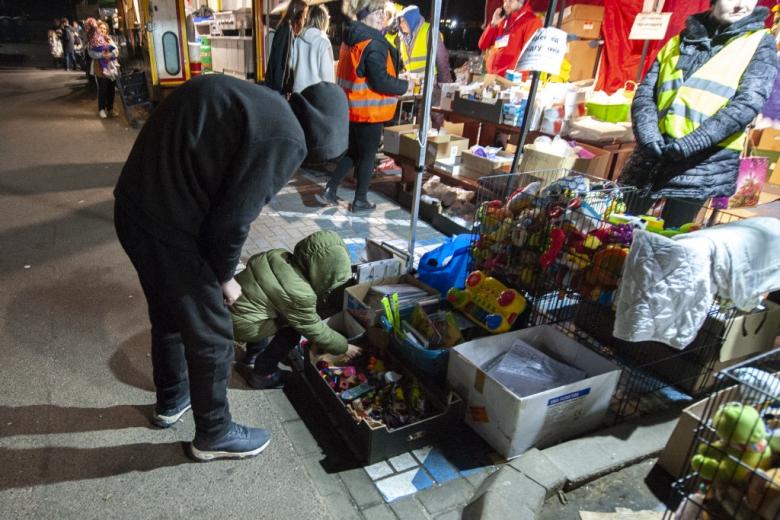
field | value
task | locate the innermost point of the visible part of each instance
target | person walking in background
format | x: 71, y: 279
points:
x: 78, y: 43
x: 368, y: 73
x: 312, y: 53
x: 69, y: 45
x: 504, y: 38
x: 104, y: 54
x: 278, y: 72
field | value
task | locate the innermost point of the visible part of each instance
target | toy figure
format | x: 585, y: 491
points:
x: 740, y: 448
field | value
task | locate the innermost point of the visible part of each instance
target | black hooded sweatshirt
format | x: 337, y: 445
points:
x: 213, y: 153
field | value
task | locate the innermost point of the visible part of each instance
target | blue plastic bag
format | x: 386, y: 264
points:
x: 447, y: 265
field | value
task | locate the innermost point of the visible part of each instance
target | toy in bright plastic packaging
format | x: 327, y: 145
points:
x: 487, y: 302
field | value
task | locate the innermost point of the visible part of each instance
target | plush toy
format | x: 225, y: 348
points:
x: 521, y: 198
x: 448, y: 195
x: 741, y: 446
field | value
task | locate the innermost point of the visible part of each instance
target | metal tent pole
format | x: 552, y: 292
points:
x: 529, y: 107
x: 430, y: 62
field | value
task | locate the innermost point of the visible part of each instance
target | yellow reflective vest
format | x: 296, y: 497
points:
x: 414, y: 62
x: 684, y: 105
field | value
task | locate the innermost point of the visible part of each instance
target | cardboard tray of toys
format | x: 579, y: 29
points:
x: 372, y: 440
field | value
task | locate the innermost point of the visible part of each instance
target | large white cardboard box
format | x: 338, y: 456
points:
x: 511, y: 424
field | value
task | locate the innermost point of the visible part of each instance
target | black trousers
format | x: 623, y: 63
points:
x: 268, y: 355
x: 192, y: 333
x: 675, y: 213
x: 364, y: 141
x: 106, y: 89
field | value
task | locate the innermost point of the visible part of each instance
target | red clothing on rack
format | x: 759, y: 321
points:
x: 504, y: 43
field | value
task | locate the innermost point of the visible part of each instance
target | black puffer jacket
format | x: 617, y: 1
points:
x: 706, y: 170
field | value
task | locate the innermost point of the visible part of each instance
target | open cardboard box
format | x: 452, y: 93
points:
x: 355, y: 297
x: 512, y: 424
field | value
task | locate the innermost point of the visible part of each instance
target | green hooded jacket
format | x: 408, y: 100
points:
x: 282, y: 288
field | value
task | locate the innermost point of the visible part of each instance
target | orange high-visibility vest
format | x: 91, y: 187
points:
x: 365, y: 105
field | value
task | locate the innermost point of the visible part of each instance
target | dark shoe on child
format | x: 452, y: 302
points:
x: 260, y: 381
x: 167, y: 417
x: 240, y: 442
x: 361, y: 205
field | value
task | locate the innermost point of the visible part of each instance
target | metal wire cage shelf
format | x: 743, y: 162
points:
x: 732, y: 464
x: 562, y: 238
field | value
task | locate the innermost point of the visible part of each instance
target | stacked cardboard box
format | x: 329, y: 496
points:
x: 583, y: 23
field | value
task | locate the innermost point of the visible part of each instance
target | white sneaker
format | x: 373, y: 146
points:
x: 102, y: 114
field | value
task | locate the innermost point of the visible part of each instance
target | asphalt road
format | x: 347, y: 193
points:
x: 75, y: 370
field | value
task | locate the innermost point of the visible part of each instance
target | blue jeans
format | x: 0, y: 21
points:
x: 71, y: 61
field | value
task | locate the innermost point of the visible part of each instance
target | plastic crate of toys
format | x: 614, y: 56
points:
x: 380, y: 408
x: 734, y: 461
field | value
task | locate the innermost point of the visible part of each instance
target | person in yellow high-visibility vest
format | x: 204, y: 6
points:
x: 692, y: 108
x: 414, y: 45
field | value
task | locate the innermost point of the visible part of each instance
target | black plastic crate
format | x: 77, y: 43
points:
x: 371, y: 445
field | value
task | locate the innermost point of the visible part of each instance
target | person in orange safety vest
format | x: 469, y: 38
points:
x: 368, y: 72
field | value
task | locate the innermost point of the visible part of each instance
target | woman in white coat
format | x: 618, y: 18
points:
x: 312, y: 55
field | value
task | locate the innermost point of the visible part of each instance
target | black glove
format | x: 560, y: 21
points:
x: 673, y: 152
x: 655, y: 149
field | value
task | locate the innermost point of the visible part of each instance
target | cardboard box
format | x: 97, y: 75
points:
x: 586, y: 28
x: 511, y: 424
x: 355, y: 296
x: 752, y: 333
x: 392, y: 137
x: 768, y: 139
x: 584, y: 12
x: 598, y: 166
x: 675, y: 456
x: 582, y: 55
x: 484, y: 166
x: 438, y: 147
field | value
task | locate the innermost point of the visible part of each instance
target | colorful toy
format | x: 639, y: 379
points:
x: 557, y: 239
x: 522, y: 198
x: 741, y: 446
x: 487, y: 302
x: 608, y: 265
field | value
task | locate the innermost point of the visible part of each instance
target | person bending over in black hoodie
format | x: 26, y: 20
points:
x: 210, y: 157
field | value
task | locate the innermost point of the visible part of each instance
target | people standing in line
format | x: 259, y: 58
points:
x: 212, y: 154
x: 368, y: 72
x: 312, y: 54
x: 69, y: 45
x: 278, y: 72
x: 504, y: 38
x: 104, y: 54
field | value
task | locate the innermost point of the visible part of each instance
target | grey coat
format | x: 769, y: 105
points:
x: 706, y: 170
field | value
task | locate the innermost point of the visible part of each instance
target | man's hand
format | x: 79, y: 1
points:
x: 498, y: 16
x: 231, y: 290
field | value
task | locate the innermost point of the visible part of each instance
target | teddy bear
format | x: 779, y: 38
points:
x: 740, y: 448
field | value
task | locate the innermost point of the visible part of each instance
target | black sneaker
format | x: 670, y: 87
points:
x: 168, y: 417
x: 240, y: 442
x: 361, y: 205
x: 259, y: 381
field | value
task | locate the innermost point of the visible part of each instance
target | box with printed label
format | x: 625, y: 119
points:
x: 512, y: 424
x: 583, y: 21
x: 438, y: 147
